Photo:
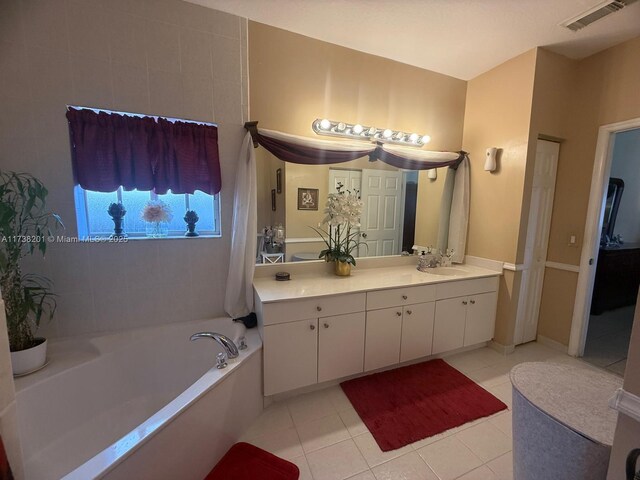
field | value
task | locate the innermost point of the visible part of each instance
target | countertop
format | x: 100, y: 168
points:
x: 310, y: 285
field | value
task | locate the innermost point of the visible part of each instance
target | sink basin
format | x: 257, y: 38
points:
x: 449, y: 271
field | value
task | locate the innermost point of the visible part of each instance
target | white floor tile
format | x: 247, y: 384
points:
x: 372, y: 453
x: 368, y: 475
x: 491, y: 375
x: 338, y: 398
x: 337, y: 462
x: 353, y: 422
x: 284, y: 444
x: 503, y: 421
x: 502, y: 466
x: 303, y: 465
x: 274, y: 418
x: 435, y: 438
x: 482, y: 473
x: 449, y: 458
x: 471, y: 361
x: 406, y: 467
x: 311, y: 406
x: 486, y: 441
x: 321, y: 433
x: 503, y: 392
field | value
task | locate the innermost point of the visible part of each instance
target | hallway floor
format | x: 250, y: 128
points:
x: 322, y: 433
x: 608, y: 339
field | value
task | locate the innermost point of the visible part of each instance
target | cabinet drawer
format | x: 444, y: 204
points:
x: 400, y: 296
x: 466, y: 287
x: 282, y: 312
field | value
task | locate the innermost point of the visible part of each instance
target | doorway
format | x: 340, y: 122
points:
x: 601, y: 337
x: 617, y: 276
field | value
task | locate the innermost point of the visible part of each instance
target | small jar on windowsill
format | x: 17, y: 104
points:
x: 157, y: 229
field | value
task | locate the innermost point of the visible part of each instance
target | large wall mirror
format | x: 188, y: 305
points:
x: 402, y: 208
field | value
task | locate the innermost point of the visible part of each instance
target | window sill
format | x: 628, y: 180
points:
x: 98, y: 239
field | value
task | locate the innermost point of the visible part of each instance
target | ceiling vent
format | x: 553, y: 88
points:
x: 596, y: 13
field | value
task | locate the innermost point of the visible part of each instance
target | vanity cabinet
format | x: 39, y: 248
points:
x: 382, y: 345
x: 340, y: 346
x: 417, y: 331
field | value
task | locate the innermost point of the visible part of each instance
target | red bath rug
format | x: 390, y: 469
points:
x: 408, y: 404
x: 247, y: 462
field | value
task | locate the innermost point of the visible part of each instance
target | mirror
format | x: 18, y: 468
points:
x: 401, y: 208
x: 614, y: 194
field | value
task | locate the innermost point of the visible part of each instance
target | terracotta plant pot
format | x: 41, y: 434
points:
x: 31, y: 359
x: 342, y: 269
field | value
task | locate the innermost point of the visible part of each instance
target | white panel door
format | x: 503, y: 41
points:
x: 417, y: 331
x: 340, y: 346
x: 382, y: 344
x: 448, y: 328
x: 381, y: 215
x: 539, y: 224
x: 350, y: 179
x: 290, y: 355
x: 481, y: 318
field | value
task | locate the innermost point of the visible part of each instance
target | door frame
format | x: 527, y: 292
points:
x: 592, y: 229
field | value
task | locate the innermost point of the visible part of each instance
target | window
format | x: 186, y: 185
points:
x: 95, y: 222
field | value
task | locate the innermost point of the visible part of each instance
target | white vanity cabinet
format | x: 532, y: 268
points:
x: 301, y: 351
x: 403, y: 330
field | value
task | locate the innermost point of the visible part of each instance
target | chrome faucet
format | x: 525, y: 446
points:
x: 229, y: 347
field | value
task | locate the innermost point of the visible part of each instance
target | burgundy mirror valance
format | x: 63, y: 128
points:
x: 111, y: 149
x: 310, y: 151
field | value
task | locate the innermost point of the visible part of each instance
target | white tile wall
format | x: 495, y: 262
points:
x: 161, y: 57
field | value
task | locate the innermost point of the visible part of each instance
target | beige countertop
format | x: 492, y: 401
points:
x: 318, y: 284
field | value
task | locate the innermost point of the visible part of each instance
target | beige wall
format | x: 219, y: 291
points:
x: 296, y: 79
x: 166, y: 58
x: 498, y: 114
x: 428, y: 207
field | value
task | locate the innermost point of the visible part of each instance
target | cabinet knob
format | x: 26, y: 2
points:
x: 404, y: 297
x: 319, y: 308
x: 408, y: 312
x: 464, y: 302
x: 472, y: 301
x: 399, y: 314
x: 326, y: 325
x: 312, y: 327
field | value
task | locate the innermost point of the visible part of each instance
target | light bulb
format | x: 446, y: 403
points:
x: 425, y: 139
x: 325, y: 124
x: 414, y: 137
x: 399, y: 136
x: 372, y: 131
x: 341, y: 127
x: 357, y: 129
x: 387, y: 133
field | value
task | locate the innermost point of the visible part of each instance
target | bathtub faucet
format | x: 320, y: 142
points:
x: 226, y: 343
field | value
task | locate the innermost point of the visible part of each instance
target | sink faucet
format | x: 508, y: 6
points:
x: 229, y: 347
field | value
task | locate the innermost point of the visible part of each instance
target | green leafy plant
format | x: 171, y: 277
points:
x: 25, y: 226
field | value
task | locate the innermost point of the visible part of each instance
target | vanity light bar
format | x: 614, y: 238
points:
x: 322, y: 126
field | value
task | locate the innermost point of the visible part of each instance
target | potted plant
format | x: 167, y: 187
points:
x: 343, y: 210
x: 117, y: 212
x: 25, y: 226
x: 191, y: 218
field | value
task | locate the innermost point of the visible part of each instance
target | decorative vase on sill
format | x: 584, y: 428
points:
x: 157, y: 214
x: 117, y: 212
x: 343, y: 210
x: 191, y: 218
x: 342, y: 269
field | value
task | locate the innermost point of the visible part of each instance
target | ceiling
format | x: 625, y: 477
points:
x: 460, y: 38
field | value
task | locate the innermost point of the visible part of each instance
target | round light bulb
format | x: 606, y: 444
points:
x: 399, y: 136
x: 414, y: 137
x: 372, y: 131
x: 357, y: 129
x: 425, y: 139
x: 387, y: 133
x: 325, y: 124
x: 341, y: 127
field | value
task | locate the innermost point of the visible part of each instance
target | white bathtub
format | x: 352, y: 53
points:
x: 141, y: 404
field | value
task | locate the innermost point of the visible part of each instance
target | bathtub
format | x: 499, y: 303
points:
x: 145, y: 403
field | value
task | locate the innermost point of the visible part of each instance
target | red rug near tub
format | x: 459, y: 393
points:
x: 247, y: 462
x: 408, y: 404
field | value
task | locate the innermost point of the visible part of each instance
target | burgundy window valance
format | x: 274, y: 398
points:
x: 311, y: 151
x: 110, y: 150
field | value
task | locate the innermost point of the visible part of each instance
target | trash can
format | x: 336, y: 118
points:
x: 562, y: 425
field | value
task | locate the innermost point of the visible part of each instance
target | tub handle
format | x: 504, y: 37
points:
x: 242, y: 343
x: 221, y: 360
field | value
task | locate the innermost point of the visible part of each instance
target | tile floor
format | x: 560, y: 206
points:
x: 322, y: 433
x: 608, y: 337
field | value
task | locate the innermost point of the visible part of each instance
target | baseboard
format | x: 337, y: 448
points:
x: 552, y: 344
x: 500, y: 348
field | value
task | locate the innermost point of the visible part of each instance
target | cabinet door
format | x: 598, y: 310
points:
x: 481, y: 318
x: 448, y: 329
x: 340, y: 346
x: 290, y: 355
x: 382, y: 344
x: 417, y: 331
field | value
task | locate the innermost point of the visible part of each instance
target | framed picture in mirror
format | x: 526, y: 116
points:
x: 307, y: 199
x: 279, y: 180
x: 273, y: 200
